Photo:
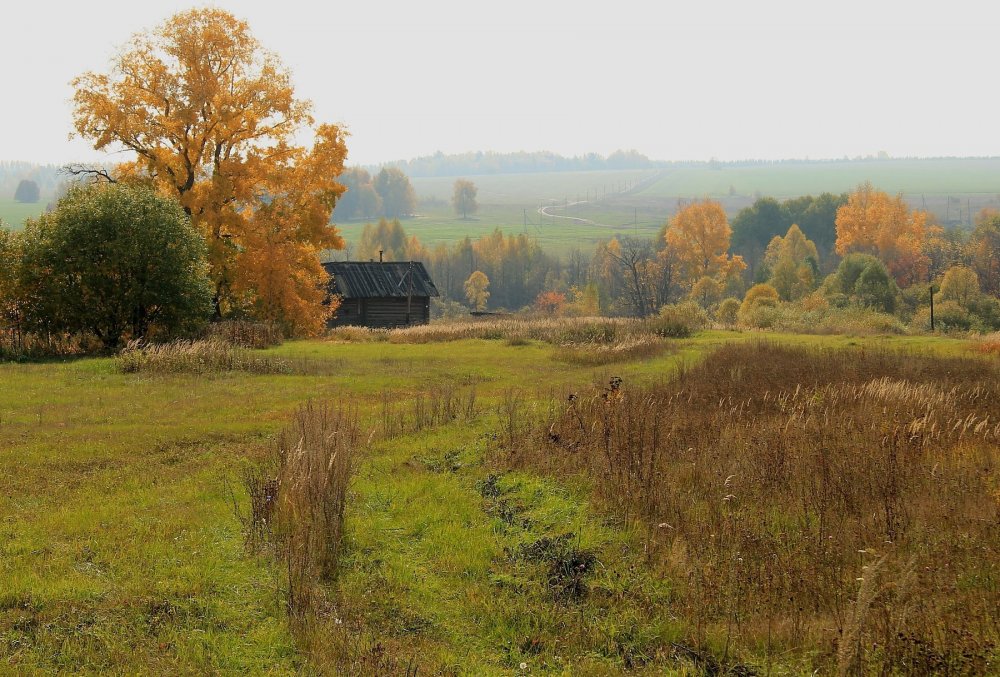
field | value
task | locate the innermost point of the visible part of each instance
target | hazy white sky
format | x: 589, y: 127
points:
x: 675, y: 80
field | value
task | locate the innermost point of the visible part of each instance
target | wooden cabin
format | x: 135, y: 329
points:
x: 376, y: 294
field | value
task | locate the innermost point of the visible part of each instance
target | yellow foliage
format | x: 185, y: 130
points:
x: 211, y: 118
x: 960, y: 284
x: 759, y: 295
x: 873, y: 223
x: 584, y: 302
x: 476, y: 290
x: 699, y: 237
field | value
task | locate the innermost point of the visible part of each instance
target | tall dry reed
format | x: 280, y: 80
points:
x: 837, y: 507
x: 315, y: 457
x: 196, y: 357
x: 245, y: 334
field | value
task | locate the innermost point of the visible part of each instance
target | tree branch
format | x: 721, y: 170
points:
x: 95, y: 174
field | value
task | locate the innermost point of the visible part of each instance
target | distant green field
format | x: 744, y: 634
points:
x: 511, y: 202
x: 638, y: 202
x: 555, y: 235
x: 913, y: 177
x: 14, y: 213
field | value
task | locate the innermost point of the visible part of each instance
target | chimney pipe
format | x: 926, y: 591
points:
x: 380, y: 256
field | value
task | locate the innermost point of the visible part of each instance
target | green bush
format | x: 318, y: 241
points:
x: 806, y: 318
x: 986, y: 310
x: 761, y: 315
x: 118, y: 262
x: 845, y: 279
x: 727, y: 311
x: 875, y: 288
x: 948, y: 316
x: 679, y: 320
x: 759, y: 296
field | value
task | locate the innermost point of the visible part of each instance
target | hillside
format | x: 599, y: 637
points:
x: 565, y: 209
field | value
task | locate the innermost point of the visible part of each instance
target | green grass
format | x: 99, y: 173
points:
x: 119, y: 550
x: 511, y: 202
x: 555, y: 236
x: 13, y: 214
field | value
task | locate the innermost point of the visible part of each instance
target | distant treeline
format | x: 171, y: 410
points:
x: 866, y: 251
x: 12, y: 173
x: 489, y: 162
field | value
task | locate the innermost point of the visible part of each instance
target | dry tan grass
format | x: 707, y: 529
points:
x: 553, y: 330
x: 18, y: 346
x: 841, y: 507
x: 297, y: 496
x: 588, y: 340
x: 245, y: 334
x: 989, y: 344
x: 628, y: 349
x: 196, y: 357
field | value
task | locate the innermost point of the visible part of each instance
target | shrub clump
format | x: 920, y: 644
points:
x: 728, y: 312
x: 679, y: 320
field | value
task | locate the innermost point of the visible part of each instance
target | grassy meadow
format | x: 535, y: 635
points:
x: 13, y: 214
x: 121, y: 551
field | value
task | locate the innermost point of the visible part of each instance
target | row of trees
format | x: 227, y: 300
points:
x: 755, y: 226
x: 390, y: 195
x: 880, y: 254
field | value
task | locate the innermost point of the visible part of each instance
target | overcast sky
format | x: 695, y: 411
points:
x: 675, y: 80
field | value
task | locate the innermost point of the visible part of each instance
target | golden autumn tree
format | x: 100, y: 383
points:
x: 874, y: 223
x: 211, y: 118
x: 698, y: 236
x: 476, y: 290
x: 794, y: 264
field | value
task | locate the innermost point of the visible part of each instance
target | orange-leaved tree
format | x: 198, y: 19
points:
x: 211, y: 118
x: 699, y: 235
x: 874, y: 223
x: 551, y: 303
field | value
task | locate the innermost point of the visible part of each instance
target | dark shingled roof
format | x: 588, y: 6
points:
x: 363, y: 279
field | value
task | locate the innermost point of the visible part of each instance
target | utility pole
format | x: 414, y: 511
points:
x: 409, y: 292
x: 932, y: 306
